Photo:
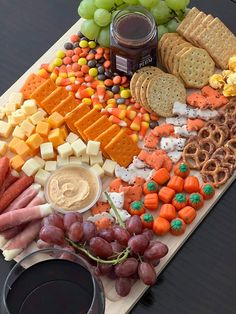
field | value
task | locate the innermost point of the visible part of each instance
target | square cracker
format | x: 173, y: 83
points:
x: 97, y: 128
x: 43, y: 91
x: 187, y: 20
x: 219, y: 41
x: 32, y: 82
x: 122, y: 149
x: 87, y: 120
x: 52, y: 100
x: 66, y: 105
x: 196, y: 33
x: 75, y: 115
x: 105, y: 137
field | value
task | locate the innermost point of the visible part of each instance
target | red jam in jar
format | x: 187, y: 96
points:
x: 133, y: 40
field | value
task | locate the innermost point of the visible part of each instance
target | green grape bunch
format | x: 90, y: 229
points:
x: 97, y: 15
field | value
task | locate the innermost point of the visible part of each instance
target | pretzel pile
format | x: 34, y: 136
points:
x: 213, y: 150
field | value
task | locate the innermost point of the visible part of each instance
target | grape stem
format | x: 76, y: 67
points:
x: 120, y: 258
x: 118, y: 218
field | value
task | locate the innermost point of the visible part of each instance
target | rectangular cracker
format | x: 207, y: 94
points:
x: 32, y: 82
x: 105, y: 137
x: 196, y: 33
x: 219, y: 41
x: 122, y: 149
x: 192, y: 26
x: 187, y: 20
x: 43, y: 91
x: 75, y: 115
x: 66, y: 105
x: 97, y: 128
x: 52, y: 100
x: 87, y: 120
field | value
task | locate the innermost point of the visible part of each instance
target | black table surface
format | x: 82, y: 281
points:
x: 201, y: 278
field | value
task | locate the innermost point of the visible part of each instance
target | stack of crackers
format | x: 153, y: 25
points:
x: 209, y: 33
x: 191, y: 64
x: 80, y: 119
x: 157, y: 91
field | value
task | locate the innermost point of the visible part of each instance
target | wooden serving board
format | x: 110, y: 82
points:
x: 114, y: 303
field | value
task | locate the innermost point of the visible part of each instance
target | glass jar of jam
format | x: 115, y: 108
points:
x: 133, y: 39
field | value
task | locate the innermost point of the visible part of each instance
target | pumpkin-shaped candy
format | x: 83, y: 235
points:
x: 136, y: 208
x: 195, y: 200
x: 177, y: 226
x: 151, y: 201
x: 150, y: 187
x: 147, y: 220
x: 207, y: 191
x: 179, y: 201
x: 182, y: 170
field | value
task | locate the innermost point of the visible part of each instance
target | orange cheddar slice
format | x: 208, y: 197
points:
x: 87, y: 120
x: 97, y: 128
x: 52, y: 100
x: 75, y: 115
x: 45, y: 89
x: 66, y: 105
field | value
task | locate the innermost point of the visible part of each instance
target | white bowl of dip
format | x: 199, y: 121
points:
x: 73, y: 188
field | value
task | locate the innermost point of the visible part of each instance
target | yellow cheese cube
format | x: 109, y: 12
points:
x: 28, y: 128
x: 56, y: 120
x: 3, y: 148
x: 55, y: 137
x: 16, y: 99
x: 19, y: 133
x: 22, y: 149
x: 34, y: 141
x: 17, y: 162
x: 13, y: 143
x: 43, y: 128
x: 29, y: 106
x: 5, y: 129
x: 36, y: 117
x: 30, y: 167
x: 64, y: 131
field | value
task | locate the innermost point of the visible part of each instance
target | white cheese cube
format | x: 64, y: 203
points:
x: 43, y: 112
x: 98, y: 169
x: 30, y: 167
x: 18, y: 116
x: 9, y: 108
x: 72, y: 137
x: 5, y: 129
x: 50, y: 165
x: 96, y: 159
x: 109, y: 167
x: 11, y: 120
x: 78, y: 147
x: 18, y: 132
x: 41, y: 177
x: 2, y: 113
x: 85, y: 158
x: 29, y: 106
x: 27, y: 127
x: 16, y: 99
x: 40, y: 161
x: 65, y: 150
x: 75, y: 160
x: 3, y: 148
x: 46, y: 150
x: 36, y: 117
x: 93, y: 148
x: 62, y: 161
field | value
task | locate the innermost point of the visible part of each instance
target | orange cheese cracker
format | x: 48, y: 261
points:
x: 43, y: 90
x: 32, y: 82
x: 105, y: 137
x: 122, y: 149
x: 87, y: 120
x: 66, y: 105
x: 97, y: 128
x: 75, y: 115
x: 52, y: 100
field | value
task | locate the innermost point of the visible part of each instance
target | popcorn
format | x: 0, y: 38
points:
x: 229, y: 90
x: 232, y: 63
x: 216, y: 81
